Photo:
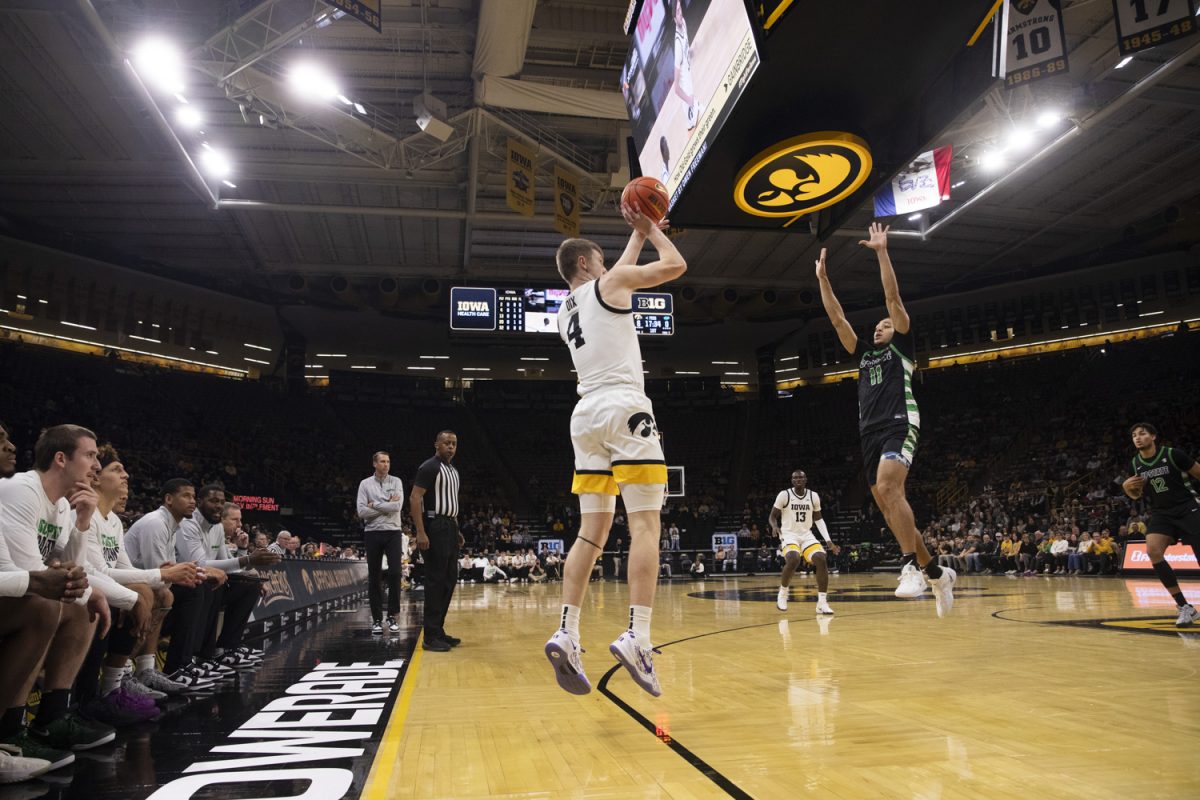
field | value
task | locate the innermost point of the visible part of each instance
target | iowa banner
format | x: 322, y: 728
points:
x: 520, y: 177
x: 923, y: 184
x: 566, y: 202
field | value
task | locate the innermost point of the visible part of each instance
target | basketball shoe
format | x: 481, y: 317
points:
x: 638, y: 660
x: 823, y: 607
x: 781, y: 600
x: 564, y: 655
x: 943, y: 591
x: 912, y: 582
x: 1187, y: 615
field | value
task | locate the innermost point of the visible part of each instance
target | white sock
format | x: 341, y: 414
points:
x: 144, y: 663
x: 820, y: 597
x: 110, y: 679
x: 639, y: 623
x: 570, y: 621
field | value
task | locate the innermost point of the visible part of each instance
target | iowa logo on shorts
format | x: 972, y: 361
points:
x: 642, y: 424
x: 802, y: 174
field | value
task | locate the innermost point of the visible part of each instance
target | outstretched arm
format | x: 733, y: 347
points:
x: 891, y: 289
x: 625, y: 278
x: 632, y: 250
x: 834, y: 309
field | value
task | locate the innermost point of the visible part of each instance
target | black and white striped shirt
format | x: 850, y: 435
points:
x: 440, y: 482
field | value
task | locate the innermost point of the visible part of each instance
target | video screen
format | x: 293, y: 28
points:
x: 541, y: 309
x: 688, y: 64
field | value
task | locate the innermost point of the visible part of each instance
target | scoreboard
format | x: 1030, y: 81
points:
x: 489, y: 310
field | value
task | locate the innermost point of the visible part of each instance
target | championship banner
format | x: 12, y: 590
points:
x: 1036, y: 42
x: 297, y: 583
x: 365, y: 11
x: 520, y: 177
x: 924, y: 183
x: 566, y: 202
x: 1142, y: 24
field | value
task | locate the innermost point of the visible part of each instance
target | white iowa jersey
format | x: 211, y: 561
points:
x: 602, y: 341
x: 797, y: 510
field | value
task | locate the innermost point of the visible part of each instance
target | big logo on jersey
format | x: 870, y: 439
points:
x: 642, y: 424
x: 802, y: 174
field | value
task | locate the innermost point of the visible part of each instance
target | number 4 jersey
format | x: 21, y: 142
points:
x: 1168, y: 485
x: 602, y: 340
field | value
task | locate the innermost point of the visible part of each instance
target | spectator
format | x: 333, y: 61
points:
x: 282, y: 545
x: 697, y: 570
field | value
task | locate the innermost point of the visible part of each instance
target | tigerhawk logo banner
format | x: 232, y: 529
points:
x: 803, y: 174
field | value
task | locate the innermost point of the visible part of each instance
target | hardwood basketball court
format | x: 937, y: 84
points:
x: 1030, y: 687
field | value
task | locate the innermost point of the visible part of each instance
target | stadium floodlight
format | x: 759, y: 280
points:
x: 160, y: 63
x: 1020, y: 139
x: 1048, y: 119
x: 313, y: 82
x: 189, y: 117
x: 216, y: 163
x: 992, y: 161
x: 1123, y: 62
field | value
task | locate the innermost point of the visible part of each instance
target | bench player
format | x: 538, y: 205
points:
x: 616, y: 442
x: 889, y: 421
x: 796, y: 510
x: 1169, y: 479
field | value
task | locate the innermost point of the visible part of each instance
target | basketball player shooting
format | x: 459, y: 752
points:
x: 889, y: 421
x: 616, y: 443
x: 684, y: 87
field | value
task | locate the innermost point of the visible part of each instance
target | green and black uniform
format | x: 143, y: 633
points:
x: 1171, y: 493
x: 889, y: 421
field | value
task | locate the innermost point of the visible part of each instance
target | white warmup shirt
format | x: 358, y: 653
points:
x: 32, y: 527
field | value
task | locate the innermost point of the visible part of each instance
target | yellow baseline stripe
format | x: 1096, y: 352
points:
x: 388, y: 755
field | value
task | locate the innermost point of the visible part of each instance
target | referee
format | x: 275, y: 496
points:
x: 438, y: 536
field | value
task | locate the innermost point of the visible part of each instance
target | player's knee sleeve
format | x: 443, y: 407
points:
x: 643, y: 496
x: 594, y: 503
x: 1165, y: 574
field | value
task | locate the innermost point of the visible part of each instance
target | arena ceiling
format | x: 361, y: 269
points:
x: 364, y: 196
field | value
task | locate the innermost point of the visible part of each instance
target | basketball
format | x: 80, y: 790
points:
x: 648, y: 196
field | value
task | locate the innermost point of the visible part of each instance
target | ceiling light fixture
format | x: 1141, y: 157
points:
x: 992, y: 161
x: 1123, y: 62
x: 313, y: 82
x: 216, y: 163
x: 1020, y: 139
x: 160, y: 63
x: 189, y: 117
x: 1048, y: 119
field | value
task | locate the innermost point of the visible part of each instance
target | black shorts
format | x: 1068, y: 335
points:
x: 1178, y: 523
x: 900, y: 440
